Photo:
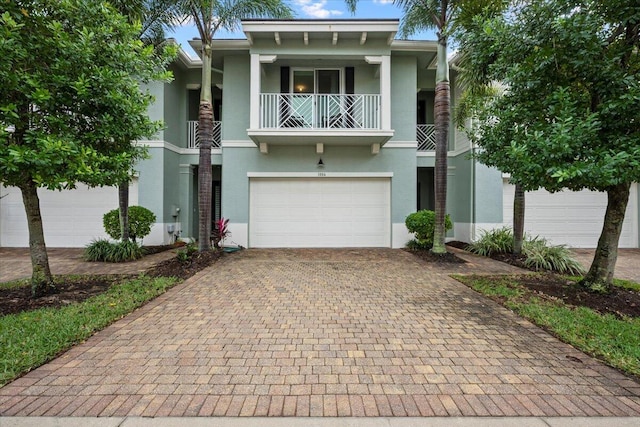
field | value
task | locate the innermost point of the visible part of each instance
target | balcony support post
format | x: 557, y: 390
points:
x: 254, y: 97
x: 385, y: 92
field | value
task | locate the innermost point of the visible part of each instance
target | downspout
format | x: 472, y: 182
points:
x: 473, y: 189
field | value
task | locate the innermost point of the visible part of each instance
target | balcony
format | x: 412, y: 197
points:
x: 192, y: 134
x: 426, y: 137
x: 320, y: 118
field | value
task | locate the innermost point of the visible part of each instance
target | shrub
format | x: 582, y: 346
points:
x: 542, y: 256
x: 184, y: 255
x: 140, y: 221
x: 422, y: 224
x: 105, y: 251
x: 97, y: 250
x: 496, y: 241
x: 538, y: 253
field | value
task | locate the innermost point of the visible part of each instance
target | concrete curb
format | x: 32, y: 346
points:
x: 321, y: 422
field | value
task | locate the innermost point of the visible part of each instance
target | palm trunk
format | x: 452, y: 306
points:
x: 518, y: 220
x: 123, y: 202
x: 604, y: 262
x: 205, y: 137
x: 41, y: 278
x: 442, y: 121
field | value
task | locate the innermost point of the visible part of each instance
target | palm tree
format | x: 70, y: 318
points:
x: 209, y: 16
x: 445, y: 16
x: 154, y: 16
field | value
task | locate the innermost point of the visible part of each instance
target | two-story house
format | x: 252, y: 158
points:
x: 324, y: 138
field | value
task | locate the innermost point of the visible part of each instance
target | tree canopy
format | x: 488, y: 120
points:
x: 569, y: 116
x: 70, y: 102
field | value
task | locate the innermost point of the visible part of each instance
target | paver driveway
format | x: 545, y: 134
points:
x: 323, y: 333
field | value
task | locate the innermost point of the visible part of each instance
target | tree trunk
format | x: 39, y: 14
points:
x: 123, y: 203
x: 41, y: 278
x: 205, y: 138
x: 442, y: 121
x: 518, y: 220
x: 600, y: 274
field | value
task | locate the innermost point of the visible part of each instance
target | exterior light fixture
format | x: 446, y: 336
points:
x: 320, y: 163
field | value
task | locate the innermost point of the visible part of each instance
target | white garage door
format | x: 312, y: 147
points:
x: 319, y: 212
x: 71, y: 218
x: 573, y: 218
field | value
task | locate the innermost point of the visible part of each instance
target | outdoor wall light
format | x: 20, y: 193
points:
x: 320, y: 163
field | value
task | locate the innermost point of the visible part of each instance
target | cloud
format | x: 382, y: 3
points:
x: 383, y: 1
x: 316, y: 9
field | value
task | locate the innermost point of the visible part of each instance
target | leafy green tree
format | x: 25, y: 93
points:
x: 209, y: 16
x: 70, y: 102
x: 446, y: 17
x: 570, y: 116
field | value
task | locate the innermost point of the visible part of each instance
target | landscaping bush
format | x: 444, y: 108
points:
x: 422, y: 224
x: 542, y: 256
x: 97, y: 250
x: 538, y: 253
x: 105, y: 251
x: 140, y: 221
x: 496, y: 241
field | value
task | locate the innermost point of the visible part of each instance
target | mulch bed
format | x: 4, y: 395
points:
x: 620, y: 302
x: 73, y: 289
x: 428, y: 256
x: 79, y: 288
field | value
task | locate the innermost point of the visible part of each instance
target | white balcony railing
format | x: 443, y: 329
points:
x: 192, y: 134
x: 426, y: 136
x: 311, y: 111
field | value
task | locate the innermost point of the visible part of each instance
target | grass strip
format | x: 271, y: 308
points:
x: 612, y: 339
x: 32, y: 338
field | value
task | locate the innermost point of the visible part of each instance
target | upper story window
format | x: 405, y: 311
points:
x: 320, y: 81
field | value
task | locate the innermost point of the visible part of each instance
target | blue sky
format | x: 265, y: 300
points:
x: 314, y: 9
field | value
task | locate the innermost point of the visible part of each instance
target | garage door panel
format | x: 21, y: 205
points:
x: 312, y: 212
x: 571, y: 218
x: 71, y: 218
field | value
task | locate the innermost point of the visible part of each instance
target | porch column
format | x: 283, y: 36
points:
x: 254, y: 77
x: 385, y: 92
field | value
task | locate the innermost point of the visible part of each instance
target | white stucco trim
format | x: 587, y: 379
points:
x: 169, y: 146
x: 401, y: 144
x: 238, y: 144
x: 239, y: 234
x: 400, y: 235
x: 453, y: 153
x: 319, y: 174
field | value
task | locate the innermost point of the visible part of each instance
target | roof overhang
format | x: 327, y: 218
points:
x: 308, y: 29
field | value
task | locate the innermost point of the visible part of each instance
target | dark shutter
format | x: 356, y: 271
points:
x: 349, y: 80
x: 284, y: 79
x: 349, y: 88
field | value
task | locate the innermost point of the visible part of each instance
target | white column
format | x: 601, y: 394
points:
x: 385, y: 92
x: 254, y: 112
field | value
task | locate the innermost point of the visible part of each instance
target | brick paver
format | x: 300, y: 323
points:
x: 323, y: 333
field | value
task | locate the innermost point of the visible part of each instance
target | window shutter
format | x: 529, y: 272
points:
x: 349, y: 81
x: 284, y: 79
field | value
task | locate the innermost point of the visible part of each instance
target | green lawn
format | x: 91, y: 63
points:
x: 612, y: 339
x: 32, y: 338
